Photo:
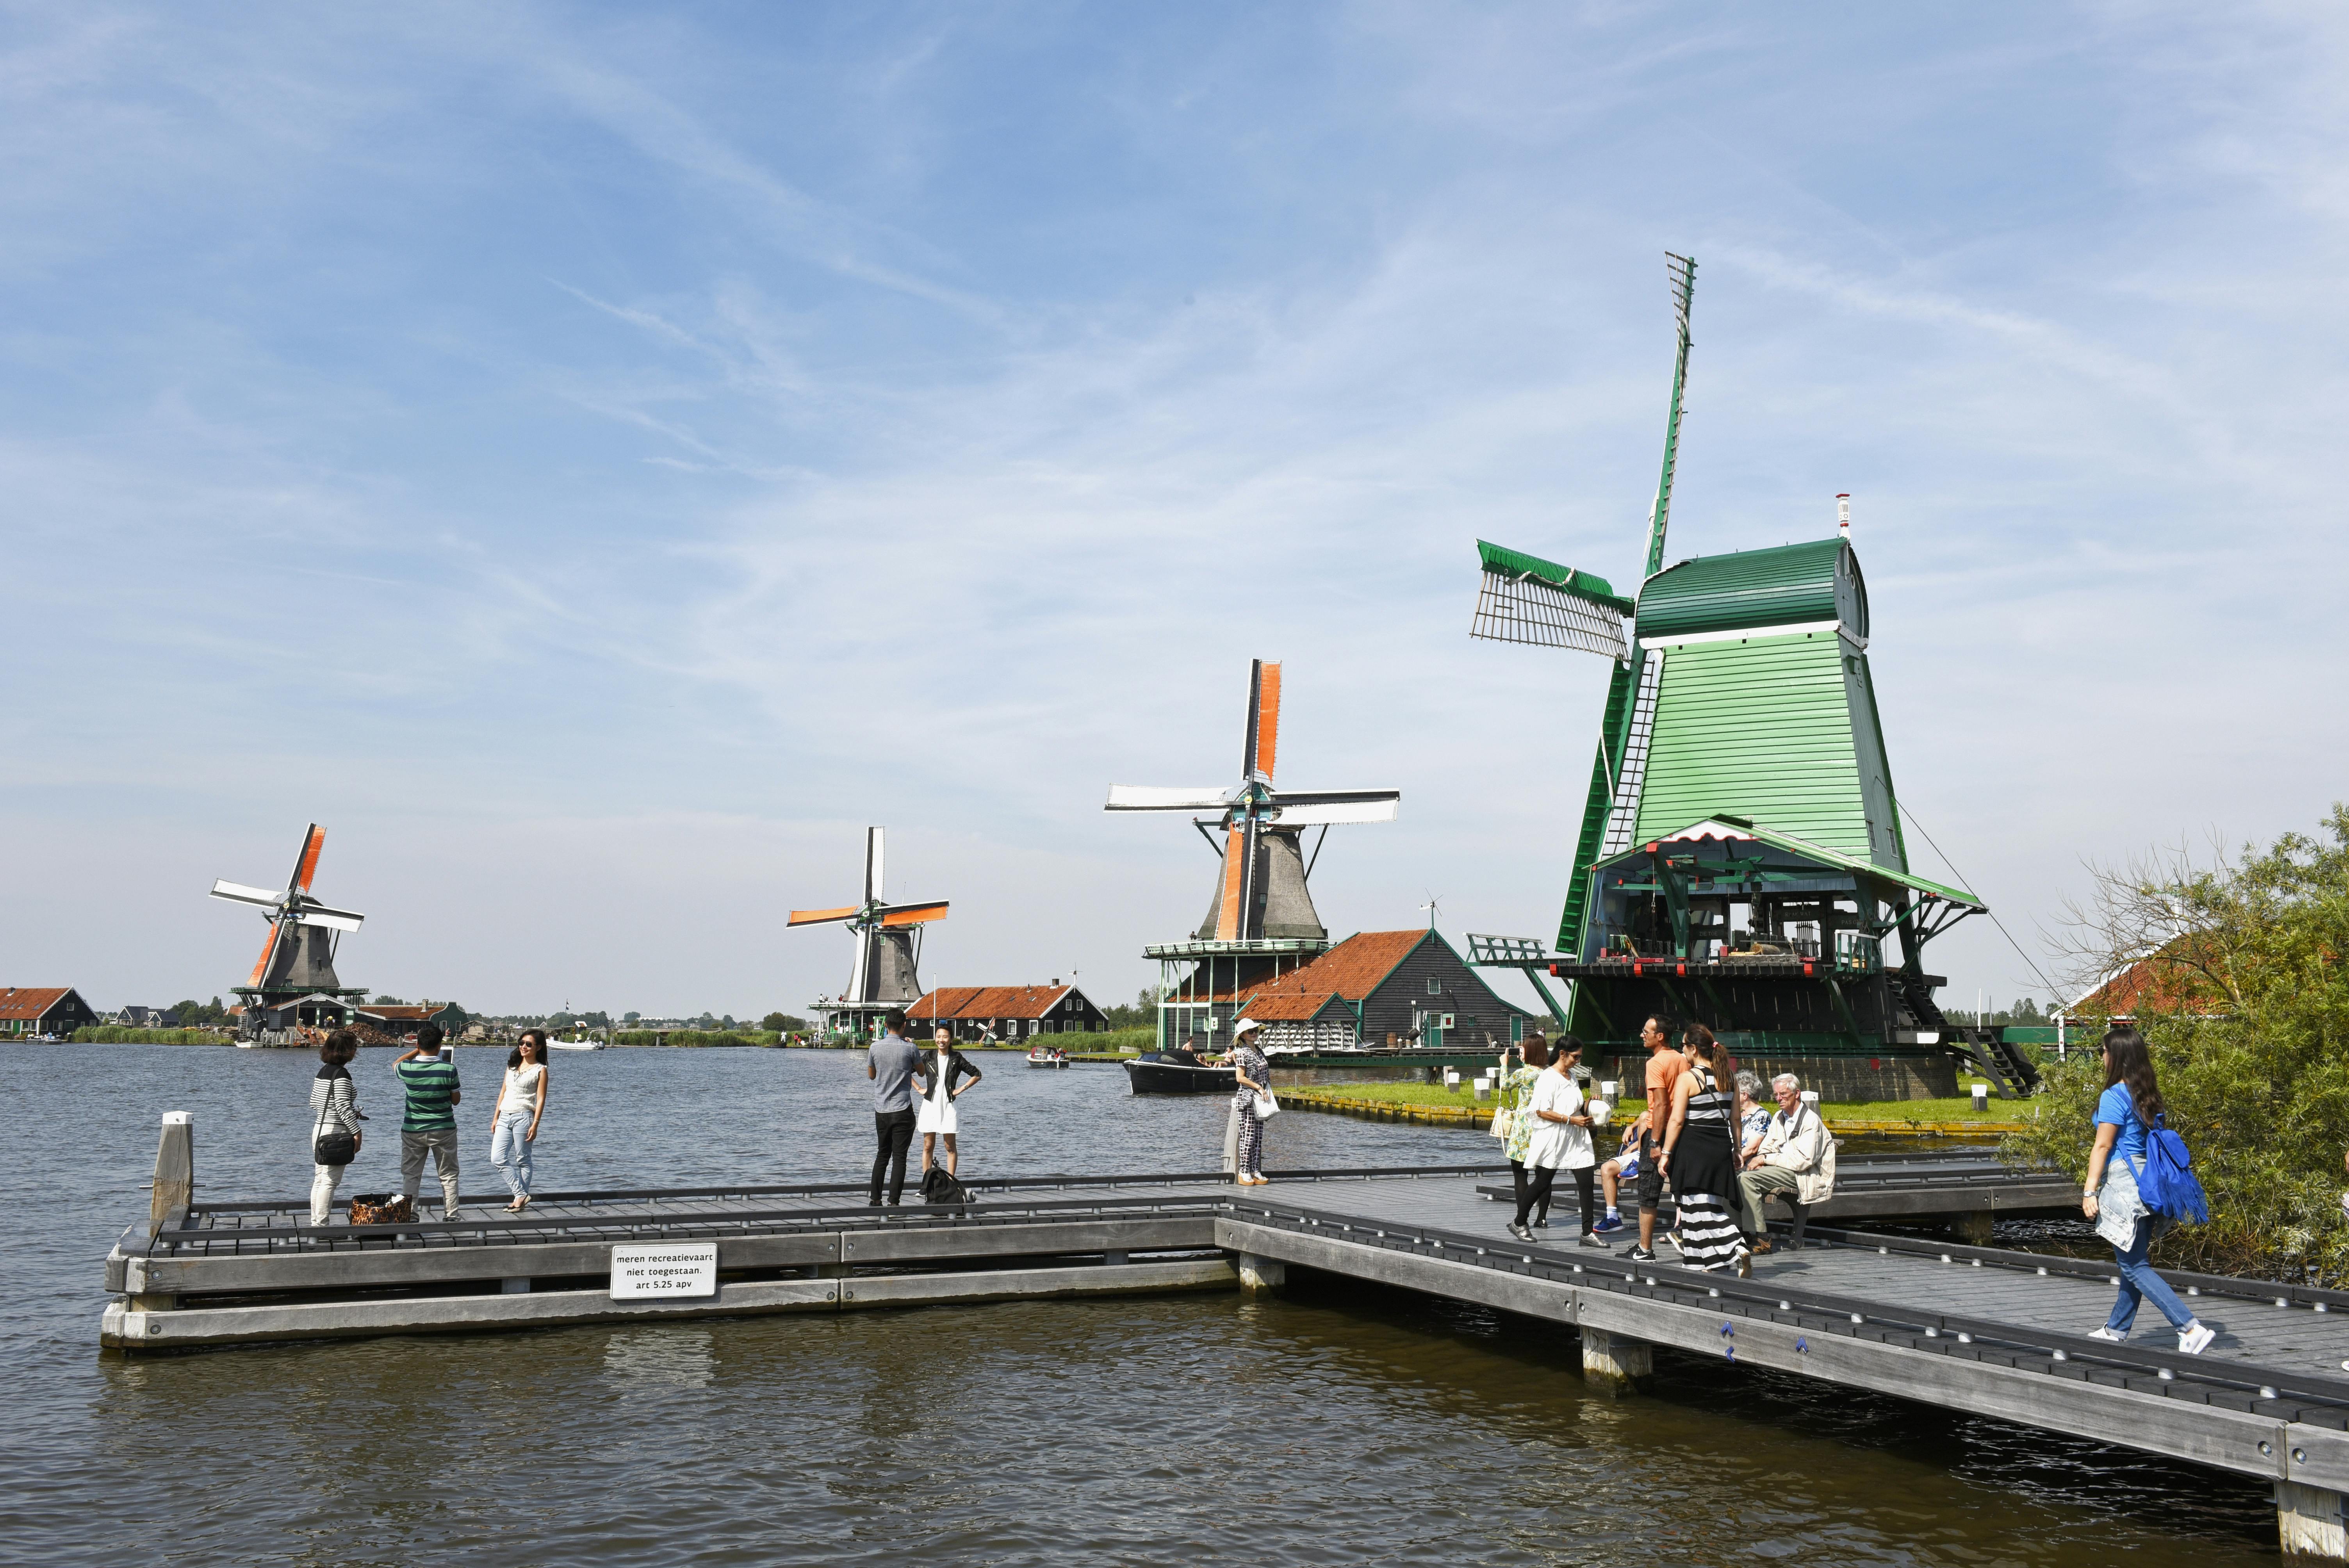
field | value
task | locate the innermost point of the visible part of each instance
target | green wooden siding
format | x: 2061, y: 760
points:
x: 1781, y: 730
x: 1791, y: 585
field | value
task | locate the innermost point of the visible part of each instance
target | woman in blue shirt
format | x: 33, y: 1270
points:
x: 2131, y: 1100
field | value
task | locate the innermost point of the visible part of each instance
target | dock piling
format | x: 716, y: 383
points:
x: 2310, y: 1525
x: 175, y: 1168
x: 1613, y: 1363
x: 1261, y: 1274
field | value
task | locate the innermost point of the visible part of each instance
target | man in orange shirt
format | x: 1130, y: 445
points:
x: 1665, y: 1066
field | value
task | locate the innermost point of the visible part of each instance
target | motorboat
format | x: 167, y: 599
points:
x: 1161, y: 1072
x: 574, y: 1045
x: 1046, y: 1056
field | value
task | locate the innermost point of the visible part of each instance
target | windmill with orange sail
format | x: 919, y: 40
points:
x: 293, y: 982
x: 1262, y: 921
x: 888, y: 946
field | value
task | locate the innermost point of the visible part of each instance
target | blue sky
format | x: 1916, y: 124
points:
x: 595, y: 460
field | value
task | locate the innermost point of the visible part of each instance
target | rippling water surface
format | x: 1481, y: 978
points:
x: 1338, y: 1424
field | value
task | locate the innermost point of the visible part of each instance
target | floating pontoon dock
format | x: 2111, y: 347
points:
x: 1990, y: 1332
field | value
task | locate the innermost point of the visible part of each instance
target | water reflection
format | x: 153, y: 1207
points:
x: 674, y: 1356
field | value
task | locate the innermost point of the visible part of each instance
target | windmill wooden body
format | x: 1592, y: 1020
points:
x: 1260, y: 920
x: 884, y: 976
x: 1739, y: 858
x: 294, y: 984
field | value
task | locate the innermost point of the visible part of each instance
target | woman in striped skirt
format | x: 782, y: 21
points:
x: 1699, y: 1155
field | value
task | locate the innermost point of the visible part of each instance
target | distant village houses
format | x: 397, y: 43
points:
x: 135, y: 1017
x: 1006, y: 1012
x: 31, y: 1011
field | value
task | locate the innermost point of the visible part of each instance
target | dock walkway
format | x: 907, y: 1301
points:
x: 1990, y: 1332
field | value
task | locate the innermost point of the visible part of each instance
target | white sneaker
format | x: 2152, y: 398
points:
x: 2194, y: 1337
x: 2107, y: 1334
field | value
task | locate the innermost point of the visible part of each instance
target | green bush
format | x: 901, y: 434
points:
x: 2247, y: 1016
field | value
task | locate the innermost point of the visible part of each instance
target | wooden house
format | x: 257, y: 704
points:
x: 51, y: 1011
x: 1006, y: 1012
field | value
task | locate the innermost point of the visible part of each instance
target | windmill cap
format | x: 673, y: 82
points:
x: 1242, y: 1026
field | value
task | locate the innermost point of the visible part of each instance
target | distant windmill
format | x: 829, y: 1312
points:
x: 887, y: 950
x: 1261, y: 890
x: 297, y: 960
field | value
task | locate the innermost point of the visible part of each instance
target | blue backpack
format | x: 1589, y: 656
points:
x: 2166, y: 1181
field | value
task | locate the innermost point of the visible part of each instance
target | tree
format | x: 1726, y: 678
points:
x: 782, y: 1023
x: 1141, y: 1015
x: 2238, y: 974
x: 388, y: 1002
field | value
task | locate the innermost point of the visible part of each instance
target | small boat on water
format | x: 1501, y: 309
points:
x: 574, y: 1045
x: 1161, y: 1073
x: 1046, y: 1056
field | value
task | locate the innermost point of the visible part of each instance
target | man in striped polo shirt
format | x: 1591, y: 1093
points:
x: 428, y: 1121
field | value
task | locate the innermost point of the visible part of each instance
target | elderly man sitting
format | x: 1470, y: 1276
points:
x: 1796, y: 1159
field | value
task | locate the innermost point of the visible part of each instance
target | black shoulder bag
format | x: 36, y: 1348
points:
x: 338, y: 1147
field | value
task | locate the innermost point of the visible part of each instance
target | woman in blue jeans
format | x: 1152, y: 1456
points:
x: 2131, y: 1102
x: 513, y: 1124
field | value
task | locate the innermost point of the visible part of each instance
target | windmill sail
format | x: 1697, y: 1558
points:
x: 1525, y: 599
x: 1260, y: 887
x: 883, y: 973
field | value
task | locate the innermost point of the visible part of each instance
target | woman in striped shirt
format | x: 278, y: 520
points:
x: 333, y: 1108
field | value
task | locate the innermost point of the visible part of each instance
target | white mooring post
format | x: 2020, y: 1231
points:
x: 175, y: 1167
x: 1981, y: 1096
x: 2310, y: 1523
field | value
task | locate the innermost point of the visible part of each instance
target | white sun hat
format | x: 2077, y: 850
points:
x: 1242, y: 1026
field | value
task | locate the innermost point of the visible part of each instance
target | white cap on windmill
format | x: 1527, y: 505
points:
x: 1843, y: 514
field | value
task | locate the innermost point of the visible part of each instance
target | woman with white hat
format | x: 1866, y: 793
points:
x: 1253, y: 1076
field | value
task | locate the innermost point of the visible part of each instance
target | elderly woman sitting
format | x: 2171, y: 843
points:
x: 1796, y: 1160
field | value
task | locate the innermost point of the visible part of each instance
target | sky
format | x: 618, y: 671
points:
x: 597, y: 459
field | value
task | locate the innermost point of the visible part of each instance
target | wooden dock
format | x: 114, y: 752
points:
x: 1990, y: 1332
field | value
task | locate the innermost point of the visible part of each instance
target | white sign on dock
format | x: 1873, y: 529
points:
x: 643, y: 1270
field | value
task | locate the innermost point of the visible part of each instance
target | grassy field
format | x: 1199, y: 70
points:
x: 1896, y: 1110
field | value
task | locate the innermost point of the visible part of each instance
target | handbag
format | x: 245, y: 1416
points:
x: 339, y: 1147
x: 1266, y: 1106
x: 1504, y: 1122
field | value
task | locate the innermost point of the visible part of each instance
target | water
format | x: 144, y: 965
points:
x: 1339, y: 1424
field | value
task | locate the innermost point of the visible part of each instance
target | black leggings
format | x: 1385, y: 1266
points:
x: 1533, y: 1189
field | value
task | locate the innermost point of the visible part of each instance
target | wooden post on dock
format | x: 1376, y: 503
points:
x: 2309, y: 1523
x: 1613, y: 1363
x: 175, y: 1167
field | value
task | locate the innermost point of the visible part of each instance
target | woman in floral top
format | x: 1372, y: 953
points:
x: 1516, y: 1093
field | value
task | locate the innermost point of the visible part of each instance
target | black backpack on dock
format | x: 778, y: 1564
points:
x: 938, y: 1186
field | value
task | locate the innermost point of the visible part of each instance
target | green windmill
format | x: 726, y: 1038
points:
x: 1740, y: 858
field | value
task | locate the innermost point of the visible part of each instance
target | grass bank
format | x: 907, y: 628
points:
x: 1460, y: 1106
x: 120, y: 1035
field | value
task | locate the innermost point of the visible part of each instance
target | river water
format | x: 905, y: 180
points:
x: 1337, y: 1424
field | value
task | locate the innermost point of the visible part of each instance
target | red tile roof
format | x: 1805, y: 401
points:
x: 2161, y: 984
x: 1352, y: 970
x: 403, y: 1012
x: 30, y: 1002
x: 988, y: 1002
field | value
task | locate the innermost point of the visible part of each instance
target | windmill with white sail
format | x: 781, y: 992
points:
x: 885, y: 977
x: 1261, y: 922
x: 294, y: 982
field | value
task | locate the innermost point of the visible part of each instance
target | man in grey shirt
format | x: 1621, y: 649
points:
x: 890, y: 1065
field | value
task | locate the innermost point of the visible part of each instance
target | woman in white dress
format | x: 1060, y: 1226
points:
x: 942, y: 1077
x: 1560, y: 1140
